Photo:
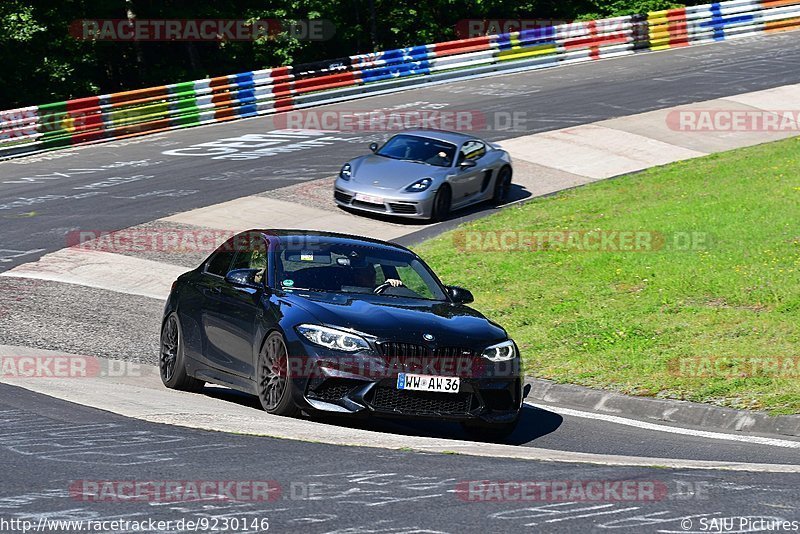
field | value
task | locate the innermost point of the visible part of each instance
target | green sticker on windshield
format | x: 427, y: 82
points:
x: 288, y: 283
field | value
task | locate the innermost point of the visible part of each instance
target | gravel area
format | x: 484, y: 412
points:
x: 316, y: 193
x: 79, y: 320
x: 179, y: 244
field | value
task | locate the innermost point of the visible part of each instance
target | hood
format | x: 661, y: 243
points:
x: 391, y: 174
x: 403, y: 320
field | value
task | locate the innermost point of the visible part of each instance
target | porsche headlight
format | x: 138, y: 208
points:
x: 420, y: 185
x: 346, y: 172
x: 333, y: 339
x: 501, y: 352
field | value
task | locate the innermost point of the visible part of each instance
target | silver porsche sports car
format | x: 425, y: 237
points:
x: 424, y: 174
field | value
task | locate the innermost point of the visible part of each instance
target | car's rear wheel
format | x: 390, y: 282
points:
x: 493, y: 432
x: 274, y: 383
x: 171, y: 363
x: 442, y: 203
x: 502, y: 186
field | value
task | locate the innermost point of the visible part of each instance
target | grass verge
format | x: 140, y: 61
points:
x: 707, y: 311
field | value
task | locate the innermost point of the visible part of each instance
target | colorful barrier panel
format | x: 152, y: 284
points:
x: 251, y: 94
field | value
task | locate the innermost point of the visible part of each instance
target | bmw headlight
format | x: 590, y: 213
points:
x: 501, y: 352
x: 333, y: 339
x: 346, y: 172
x: 420, y: 185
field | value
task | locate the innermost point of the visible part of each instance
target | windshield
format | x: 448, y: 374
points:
x: 355, y: 269
x: 419, y: 150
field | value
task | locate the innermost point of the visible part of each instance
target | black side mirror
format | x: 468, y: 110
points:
x: 373, y: 147
x: 244, y: 278
x: 459, y: 295
x: 468, y: 164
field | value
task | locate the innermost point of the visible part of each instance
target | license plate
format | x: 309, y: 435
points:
x: 442, y: 384
x: 370, y: 199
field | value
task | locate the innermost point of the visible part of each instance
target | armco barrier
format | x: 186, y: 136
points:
x: 250, y: 94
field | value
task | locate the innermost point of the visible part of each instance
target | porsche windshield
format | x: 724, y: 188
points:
x: 419, y: 150
x: 357, y: 269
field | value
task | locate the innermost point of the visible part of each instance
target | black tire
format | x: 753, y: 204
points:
x: 441, y: 203
x: 274, y: 384
x: 495, y: 433
x: 502, y: 186
x: 171, y: 363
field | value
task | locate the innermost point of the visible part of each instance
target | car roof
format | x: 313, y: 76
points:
x: 332, y: 237
x: 439, y: 135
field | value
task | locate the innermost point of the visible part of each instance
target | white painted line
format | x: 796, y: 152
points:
x: 571, y: 517
x: 750, y: 440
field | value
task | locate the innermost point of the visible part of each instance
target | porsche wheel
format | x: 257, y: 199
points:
x: 502, y: 186
x: 441, y: 203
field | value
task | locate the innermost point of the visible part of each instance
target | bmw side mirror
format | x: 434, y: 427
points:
x: 468, y: 164
x: 459, y: 295
x: 244, y: 278
x: 373, y: 147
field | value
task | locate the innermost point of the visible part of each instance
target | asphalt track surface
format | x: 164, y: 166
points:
x: 116, y: 185
x: 50, y: 446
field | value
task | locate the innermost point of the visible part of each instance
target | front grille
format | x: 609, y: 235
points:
x: 341, y: 196
x: 443, y: 361
x: 369, y: 205
x: 333, y: 389
x: 392, y: 349
x: 399, y: 401
x: 403, y: 208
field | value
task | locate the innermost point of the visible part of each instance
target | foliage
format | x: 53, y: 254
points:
x: 43, y: 63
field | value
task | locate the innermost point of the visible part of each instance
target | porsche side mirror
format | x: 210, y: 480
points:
x: 468, y: 164
x: 373, y: 147
x: 459, y: 295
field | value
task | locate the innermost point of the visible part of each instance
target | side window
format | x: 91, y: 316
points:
x: 474, y: 150
x: 219, y: 264
x: 251, y: 253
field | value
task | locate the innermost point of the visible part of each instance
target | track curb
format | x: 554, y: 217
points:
x: 678, y: 412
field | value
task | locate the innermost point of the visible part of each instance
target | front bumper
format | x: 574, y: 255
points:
x: 366, y: 385
x: 408, y: 205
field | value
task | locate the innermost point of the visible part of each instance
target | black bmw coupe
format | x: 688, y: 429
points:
x: 316, y: 323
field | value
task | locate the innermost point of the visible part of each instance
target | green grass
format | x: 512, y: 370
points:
x: 615, y: 320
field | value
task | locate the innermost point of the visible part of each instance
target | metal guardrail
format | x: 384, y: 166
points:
x: 249, y: 94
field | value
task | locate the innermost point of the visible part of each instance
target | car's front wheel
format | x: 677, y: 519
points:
x: 502, y: 186
x: 272, y: 372
x: 171, y: 364
x: 442, y: 203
